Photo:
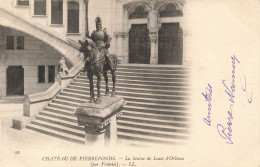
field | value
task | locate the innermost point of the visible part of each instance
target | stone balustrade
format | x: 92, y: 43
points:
x: 34, y: 103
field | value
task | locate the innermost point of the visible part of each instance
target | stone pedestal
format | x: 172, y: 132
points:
x: 99, y: 120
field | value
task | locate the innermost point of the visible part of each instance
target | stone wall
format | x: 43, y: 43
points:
x: 35, y: 53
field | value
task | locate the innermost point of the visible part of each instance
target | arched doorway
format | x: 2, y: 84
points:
x: 170, y: 46
x: 139, y: 44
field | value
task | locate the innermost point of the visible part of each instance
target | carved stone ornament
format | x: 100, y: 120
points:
x: 95, y: 117
x: 120, y: 34
x: 118, y: 115
x: 97, y: 128
x: 153, y: 36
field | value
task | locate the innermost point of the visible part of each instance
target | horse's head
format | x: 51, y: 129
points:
x: 89, y: 49
x: 85, y: 47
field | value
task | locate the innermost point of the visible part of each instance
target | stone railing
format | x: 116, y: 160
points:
x: 40, y: 31
x: 36, y: 102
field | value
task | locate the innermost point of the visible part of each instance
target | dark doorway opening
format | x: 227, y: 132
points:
x: 139, y: 44
x: 15, y: 80
x: 170, y: 49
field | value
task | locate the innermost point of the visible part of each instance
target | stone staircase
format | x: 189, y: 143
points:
x: 157, y: 109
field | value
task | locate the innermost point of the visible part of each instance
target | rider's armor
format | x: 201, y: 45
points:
x: 102, y: 41
x: 100, y: 37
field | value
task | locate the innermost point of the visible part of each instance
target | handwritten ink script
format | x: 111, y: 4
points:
x: 244, y: 90
x: 225, y: 130
x: 207, y: 95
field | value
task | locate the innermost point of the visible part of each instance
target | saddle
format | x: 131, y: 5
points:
x: 112, y: 61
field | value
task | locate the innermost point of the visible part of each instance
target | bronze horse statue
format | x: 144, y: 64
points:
x: 97, y: 62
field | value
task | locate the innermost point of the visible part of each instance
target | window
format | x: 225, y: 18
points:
x: 51, y: 74
x: 20, y: 42
x: 139, y: 13
x: 23, y: 2
x: 41, y: 74
x: 39, y: 7
x: 170, y: 10
x: 73, y: 17
x: 56, y: 11
x: 10, y: 42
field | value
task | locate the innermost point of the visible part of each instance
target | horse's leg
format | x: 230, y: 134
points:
x: 91, y: 86
x: 98, y: 100
x: 113, y: 73
x: 106, y: 80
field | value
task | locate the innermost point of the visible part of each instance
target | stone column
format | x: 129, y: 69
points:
x: 46, y: 74
x: 154, y: 47
x: 99, y: 120
x: 186, y: 58
x: 119, y: 30
x: 153, y: 34
x: 65, y: 16
x: 3, y: 80
x: 121, y: 50
x: 86, y: 17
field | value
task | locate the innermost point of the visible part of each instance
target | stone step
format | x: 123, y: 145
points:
x: 155, y: 127
x: 131, y: 103
x: 151, y: 139
x: 60, y: 106
x: 155, y: 122
x: 56, y: 134
x: 152, y: 87
x: 66, y: 103
x: 127, y: 94
x: 143, y: 82
x: 153, y: 67
x: 133, y: 90
x: 161, y: 79
x: 148, y: 132
x: 73, y: 99
x: 158, y: 74
x: 169, y: 71
x: 147, y: 100
x: 150, y: 110
x: 60, y: 128
x: 59, y: 116
x: 157, y: 106
x: 59, y: 111
x: 155, y: 116
x: 61, y: 122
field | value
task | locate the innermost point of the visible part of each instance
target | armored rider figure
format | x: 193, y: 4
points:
x: 101, y: 38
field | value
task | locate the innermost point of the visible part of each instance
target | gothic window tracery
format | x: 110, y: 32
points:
x: 138, y: 13
x: 170, y: 10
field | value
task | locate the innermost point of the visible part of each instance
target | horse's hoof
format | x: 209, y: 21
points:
x: 107, y: 94
x: 113, y: 94
x: 98, y: 101
x: 91, y: 100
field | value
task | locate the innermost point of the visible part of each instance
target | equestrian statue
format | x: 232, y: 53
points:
x: 98, y: 60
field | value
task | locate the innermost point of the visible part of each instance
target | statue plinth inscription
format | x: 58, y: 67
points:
x: 100, y: 119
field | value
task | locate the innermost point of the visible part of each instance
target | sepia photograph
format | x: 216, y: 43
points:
x: 140, y: 83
